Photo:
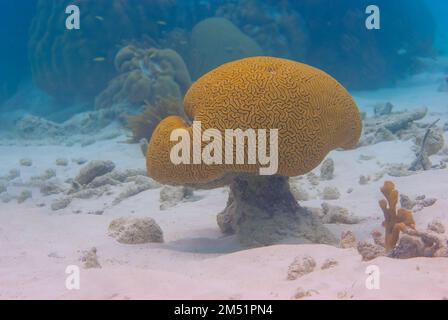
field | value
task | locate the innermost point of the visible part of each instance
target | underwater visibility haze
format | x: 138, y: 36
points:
x: 163, y: 149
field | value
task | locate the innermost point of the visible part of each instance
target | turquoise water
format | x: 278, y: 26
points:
x: 40, y: 54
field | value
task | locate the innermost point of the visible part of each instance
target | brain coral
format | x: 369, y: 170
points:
x: 312, y: 111
x: 215, y: 41
x: 145, y: 76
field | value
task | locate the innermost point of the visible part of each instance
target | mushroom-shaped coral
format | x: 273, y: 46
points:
x: 395, y: 220
x: 313, y: 114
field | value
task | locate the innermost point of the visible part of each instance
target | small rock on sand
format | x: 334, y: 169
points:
x: 330, y: 193
x: 135, y: 230
x: 49, y: 187
x: 12, y: 174
x: 101, y: 181
x: 370, y: 251
x: 436, y: 226
x: 336, y: 214
x: 302, y: 293
x: 90, y: 259
x: 382, y: 109
x: 363, y: 180
x: 300, y: 194
x: 24, y: 195
x: 79, y: 161
x: 171, y: 196
x: 26, y: 162
x: 139, y: 185
x: 62, y: 203
x: 62, y: 162
x: 300, y: 267
x: 348, y: 240
x: 92, y: 170
x: 329, y: 263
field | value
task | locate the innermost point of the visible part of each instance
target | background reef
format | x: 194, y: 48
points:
x: 78, y: 66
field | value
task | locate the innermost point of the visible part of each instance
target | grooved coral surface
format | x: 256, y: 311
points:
x: 312, y: 111
x: 146, y: 75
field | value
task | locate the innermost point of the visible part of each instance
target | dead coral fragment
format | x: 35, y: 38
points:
x: 369, y: 251
x: 300, y: 267
x: 420, y: 244
x: 90, y: 259
x: 394, y: 220
x: 422, y: 161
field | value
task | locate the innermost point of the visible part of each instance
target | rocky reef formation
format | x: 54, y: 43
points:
x: 360, y: 58
x: 84, y: 125
x: 215, y: 41
x: 277, y: 27
x: 415, y: 243
x: 324, y: 33
x: 79, y: 63
x: 392, y: 126
x: 387, y: 125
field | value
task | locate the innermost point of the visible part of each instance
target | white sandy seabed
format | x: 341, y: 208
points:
x: 197, y: 261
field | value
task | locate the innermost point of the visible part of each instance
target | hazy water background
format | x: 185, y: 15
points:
x: 15, y: 72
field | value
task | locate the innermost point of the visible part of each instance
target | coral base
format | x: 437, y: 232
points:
x: 261, y: 210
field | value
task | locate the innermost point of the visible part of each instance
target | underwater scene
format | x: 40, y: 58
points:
x: 224, y: 150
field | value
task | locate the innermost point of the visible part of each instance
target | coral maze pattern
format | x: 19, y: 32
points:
x: 312, y: 111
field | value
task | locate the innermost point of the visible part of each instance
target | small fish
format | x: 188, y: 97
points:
x: 99, y: 18
x: 99, y: 59
x: 162, y: 23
